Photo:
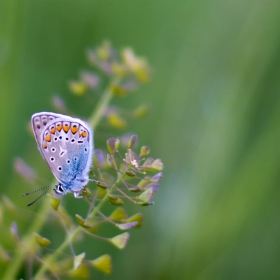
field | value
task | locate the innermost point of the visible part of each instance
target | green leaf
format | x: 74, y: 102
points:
x: 103, y: 263
x: 78, y: 260
x: 42, y: 241
x: 118, y: 215
x: 82, y: 222
x: 138, y: 217
x: 120, y: 240
x: 115, y: 200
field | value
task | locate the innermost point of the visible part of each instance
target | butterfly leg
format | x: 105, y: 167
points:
x: 77, y: 195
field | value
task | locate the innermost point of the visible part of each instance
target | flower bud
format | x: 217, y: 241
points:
x: 147, y: 195
x: 157, y: 165
x: 132, y: 141
x: 130, y: 173
x: 82, y: 222
x: 148, y: 162
x: 154, y: 186
x: 120, y: 240
x: 118, y: 215
x: 115, y: 200
x: 138, y: 217
x: 14, y: 230
x: 111, y: 145
x: 77, y: 87
x: 78, y: 260
x: 55, y: 201
x: 42, y: 241
x: 103, y: 264
x: 116, y: 121
x: 141, y: 111
x: 145, y: 150
x: 102, y: 185
x: 126, y: 226
x: 90, y: 79
x: 156, y: 177
x: 117, y: 143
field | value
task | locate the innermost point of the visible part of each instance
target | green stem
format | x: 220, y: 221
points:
x: 45, y: 208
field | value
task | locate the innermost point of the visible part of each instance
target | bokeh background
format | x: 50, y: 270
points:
x: 214, y: 122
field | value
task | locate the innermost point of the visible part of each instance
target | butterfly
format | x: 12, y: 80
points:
x: 66, y: 144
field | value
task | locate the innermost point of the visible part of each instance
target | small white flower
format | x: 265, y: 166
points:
x: 134, y: 163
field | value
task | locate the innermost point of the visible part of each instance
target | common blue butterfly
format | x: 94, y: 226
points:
x: 66, y: 144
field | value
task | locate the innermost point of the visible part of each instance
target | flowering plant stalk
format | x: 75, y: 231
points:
x: 117, y: 177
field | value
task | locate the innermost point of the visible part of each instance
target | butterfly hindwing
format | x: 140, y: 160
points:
x: 65, y: 143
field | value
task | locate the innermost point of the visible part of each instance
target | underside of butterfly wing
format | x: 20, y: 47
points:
x: 66, y: 145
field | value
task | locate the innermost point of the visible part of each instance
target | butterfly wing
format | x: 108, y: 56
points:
x: 65, y: 143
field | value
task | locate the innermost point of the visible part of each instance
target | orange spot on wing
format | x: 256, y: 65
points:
x: 59, y: 127
x: 48, y: 138
x: 66, y: 128
x: 53, y: 130
x: 74, y: 129
x: 45, y: 145
x: 83, y: 134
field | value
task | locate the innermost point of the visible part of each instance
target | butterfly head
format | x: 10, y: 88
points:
x: 59, y: 190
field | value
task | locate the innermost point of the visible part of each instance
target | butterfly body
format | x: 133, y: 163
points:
x: 66, y: 144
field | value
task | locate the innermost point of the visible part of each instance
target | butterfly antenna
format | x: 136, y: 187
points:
x: 49, y: 186
x: 31, y: 203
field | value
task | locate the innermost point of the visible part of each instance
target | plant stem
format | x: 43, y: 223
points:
x: 45, y: 208
x: 51, y: 258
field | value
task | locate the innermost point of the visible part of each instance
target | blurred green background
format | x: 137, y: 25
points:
x: 214, y: 123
